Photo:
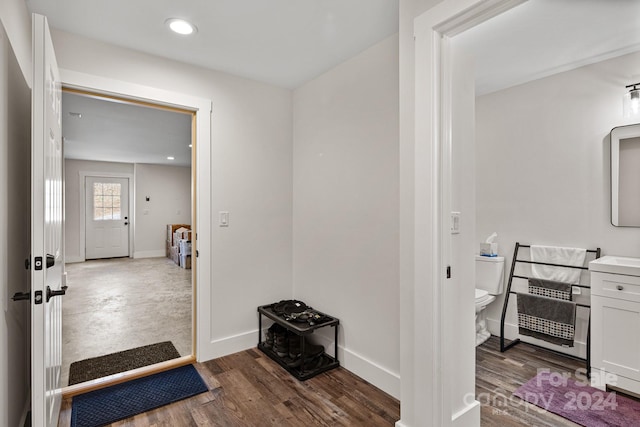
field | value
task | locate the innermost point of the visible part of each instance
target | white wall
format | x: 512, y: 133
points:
x: 251, y: 175
x: 169, y: 189
x: 74, y: 192
x: 169, y: 192
x: 16, y: 19
x: 345, y: 192
x: 543, y: 164
x: 15, y: 146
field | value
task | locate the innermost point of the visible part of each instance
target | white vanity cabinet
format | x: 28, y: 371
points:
x: 615, y: 328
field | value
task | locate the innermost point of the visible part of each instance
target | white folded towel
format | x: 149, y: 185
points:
x: 557, y: 255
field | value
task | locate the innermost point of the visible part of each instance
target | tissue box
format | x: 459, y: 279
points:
x: 489, y: 249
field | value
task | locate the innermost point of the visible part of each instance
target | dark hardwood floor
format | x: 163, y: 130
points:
x: 498, y: 375
x: 248, y: 389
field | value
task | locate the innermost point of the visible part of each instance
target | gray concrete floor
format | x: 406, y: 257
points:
x: 118, y: 304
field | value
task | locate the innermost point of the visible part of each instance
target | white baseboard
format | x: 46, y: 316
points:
x: 385, y: 380
x: 467, y: 417
x: 72, y: 259
x: 379, y: 376
x: 226, y: 346
x: 400, y: 424
x: 150, y: 254
x: 579, y: 348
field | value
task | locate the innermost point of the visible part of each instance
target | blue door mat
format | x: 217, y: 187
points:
x: 121, y: 401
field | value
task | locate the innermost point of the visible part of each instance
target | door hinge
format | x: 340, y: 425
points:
x: 197, y: 254
x: 448, y: 272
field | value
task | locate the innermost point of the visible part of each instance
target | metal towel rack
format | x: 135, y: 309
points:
x: 516, y: 341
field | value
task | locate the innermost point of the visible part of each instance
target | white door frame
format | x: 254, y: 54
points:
x: 426, y: 399
x: 83, y: 208
x: 201, y: 215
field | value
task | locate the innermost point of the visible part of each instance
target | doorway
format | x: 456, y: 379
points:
x: 106, y: 217
x: 128, y: 175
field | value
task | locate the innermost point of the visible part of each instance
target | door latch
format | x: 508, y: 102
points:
x: 37, y: 297
x: 21, y: 296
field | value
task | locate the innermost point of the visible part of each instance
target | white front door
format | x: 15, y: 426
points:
x: 47, y: 263
x: 107, y: 217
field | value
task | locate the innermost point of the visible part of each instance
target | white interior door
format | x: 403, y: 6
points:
x: 107, y: 217
x: 47, y: 266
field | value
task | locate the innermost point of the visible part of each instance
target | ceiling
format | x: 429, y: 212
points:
x: 540, y: 38
x: 120, y: 132
x: 289, y: 42
x: 282, y: 42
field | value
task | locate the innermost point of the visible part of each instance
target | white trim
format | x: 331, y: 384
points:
x: 204, y: 316
x: 384, y: 379
x: 425, y: 400
x: 229, y: 345
x: 467, y: 417
x: 149, y: 254
x: 83, y: 175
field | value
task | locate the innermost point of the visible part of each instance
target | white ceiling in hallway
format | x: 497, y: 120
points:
x: 289, y: 42
x: 282, y: 42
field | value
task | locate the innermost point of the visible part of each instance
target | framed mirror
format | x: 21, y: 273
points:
x: 625, y: 176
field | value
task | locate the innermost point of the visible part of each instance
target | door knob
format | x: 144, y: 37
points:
x: 126, y: 223
x: 51, y: 294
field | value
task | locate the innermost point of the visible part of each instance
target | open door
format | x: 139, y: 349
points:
x: 47, y: 262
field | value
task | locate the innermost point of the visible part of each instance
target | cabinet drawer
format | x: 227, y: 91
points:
x: 615, y: 286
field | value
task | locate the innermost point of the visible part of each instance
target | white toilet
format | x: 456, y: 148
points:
x: 489, y: 283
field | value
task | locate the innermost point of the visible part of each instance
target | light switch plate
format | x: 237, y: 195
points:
x: 223, y: 218
x: 455, y: 222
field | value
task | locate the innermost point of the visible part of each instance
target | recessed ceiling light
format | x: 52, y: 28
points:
x: 181, y: 26
x: 171, y: 158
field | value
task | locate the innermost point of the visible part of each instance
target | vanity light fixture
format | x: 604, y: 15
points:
x: 631, y: 101
x: 181, y: 26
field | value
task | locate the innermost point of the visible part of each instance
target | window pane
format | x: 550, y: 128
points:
x: 116, y: 213
x: 108, y: 201
x: 97, y: 188
x: 98, y: 214
x: 116, y: 202
x: 107, y: 214
x: 111, y: 189
x: 97, y: 201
